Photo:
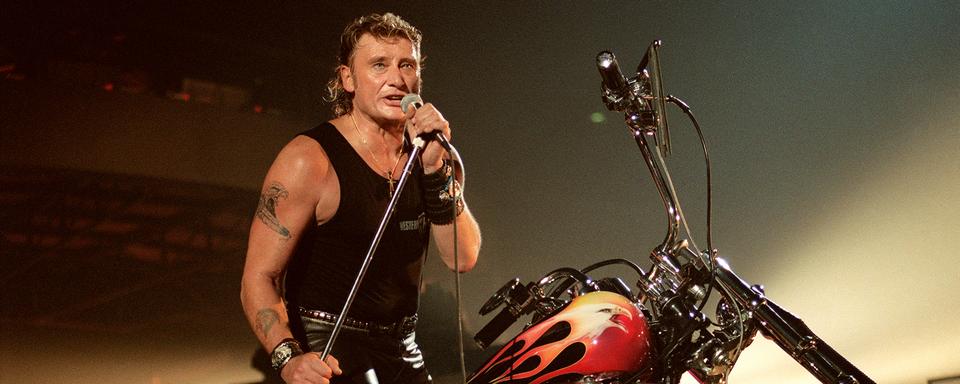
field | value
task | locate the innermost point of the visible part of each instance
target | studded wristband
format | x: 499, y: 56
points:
x: 283, y: 352
x: 439, y: 203
x: 437, y: 180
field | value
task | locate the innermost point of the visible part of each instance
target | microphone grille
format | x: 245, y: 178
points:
x: 410, y: 98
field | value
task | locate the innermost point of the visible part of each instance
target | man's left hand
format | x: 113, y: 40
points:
x: 423, y: 120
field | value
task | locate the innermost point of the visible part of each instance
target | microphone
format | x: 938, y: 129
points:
x: 414, y: 100
x: 411, y: 98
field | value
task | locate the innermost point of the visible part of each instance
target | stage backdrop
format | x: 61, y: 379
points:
x: 833, y: 130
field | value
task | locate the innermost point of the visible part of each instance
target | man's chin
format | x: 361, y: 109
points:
x: 394, y: 114
x: 390, y: 119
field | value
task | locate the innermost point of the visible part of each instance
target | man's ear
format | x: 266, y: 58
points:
x: 346, y: 78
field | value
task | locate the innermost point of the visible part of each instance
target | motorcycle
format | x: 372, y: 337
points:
x: 586, y: 330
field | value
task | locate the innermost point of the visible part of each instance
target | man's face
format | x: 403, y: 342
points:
x: 381, y: 72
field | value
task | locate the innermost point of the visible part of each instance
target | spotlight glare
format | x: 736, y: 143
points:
x: 598, y: 117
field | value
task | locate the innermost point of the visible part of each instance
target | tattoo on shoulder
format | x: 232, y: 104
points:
x: 267, y: 209
x: 266, y: 318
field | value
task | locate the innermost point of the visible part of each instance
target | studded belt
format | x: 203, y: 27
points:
x: 398, y: 329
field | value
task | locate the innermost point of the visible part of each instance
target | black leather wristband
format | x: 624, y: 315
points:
x: 439, y: 203
x: 437, y: 180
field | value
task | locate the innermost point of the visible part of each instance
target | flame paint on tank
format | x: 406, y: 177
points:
x: 599, y: 333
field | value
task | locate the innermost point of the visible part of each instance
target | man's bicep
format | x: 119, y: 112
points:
x: 289, y: 195
x: 287, y: 203
x: 283, y: 211
x: 277, y: 223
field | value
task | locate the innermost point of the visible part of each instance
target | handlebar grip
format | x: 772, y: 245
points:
x: 495, y: 328
x: 610, y: 72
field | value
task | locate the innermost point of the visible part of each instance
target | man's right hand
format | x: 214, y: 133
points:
x: 308, y: 368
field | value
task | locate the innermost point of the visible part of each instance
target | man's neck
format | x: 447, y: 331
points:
x: 387, y: 132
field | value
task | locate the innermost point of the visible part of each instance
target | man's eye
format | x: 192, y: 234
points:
x: 379, y: 66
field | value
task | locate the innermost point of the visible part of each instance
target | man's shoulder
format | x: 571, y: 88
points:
x: 306, y: 157
x: 318, y: 132
x: 299, y: 146
x: 303, y: 156
x: 310, y: 141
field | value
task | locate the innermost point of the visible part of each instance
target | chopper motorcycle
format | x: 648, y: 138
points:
x: 587, y: 330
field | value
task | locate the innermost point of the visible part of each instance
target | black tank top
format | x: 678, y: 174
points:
x: 328, y: 258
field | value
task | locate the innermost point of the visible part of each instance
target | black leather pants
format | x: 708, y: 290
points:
x: 367, y: 358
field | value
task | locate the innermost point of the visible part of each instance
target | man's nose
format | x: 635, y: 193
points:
x: 395, y: 77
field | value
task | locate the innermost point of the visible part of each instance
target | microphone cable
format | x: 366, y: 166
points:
x: 414, y: 100
x: 457, y: 198
x: 457, y: 195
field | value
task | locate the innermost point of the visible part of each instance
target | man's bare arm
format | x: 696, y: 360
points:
x: 468, y: 244
x: 287, y: 206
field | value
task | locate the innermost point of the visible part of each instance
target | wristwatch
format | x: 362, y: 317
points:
x: 283, y: 352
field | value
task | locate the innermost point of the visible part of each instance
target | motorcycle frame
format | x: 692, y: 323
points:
x: 786, y: 330
x: 674, y: 285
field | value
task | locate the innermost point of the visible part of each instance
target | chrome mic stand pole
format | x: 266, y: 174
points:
x: 418, y: 145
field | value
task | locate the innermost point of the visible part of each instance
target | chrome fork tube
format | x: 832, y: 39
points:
x: 657, y: 171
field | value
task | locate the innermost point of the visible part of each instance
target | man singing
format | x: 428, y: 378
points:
x: 321, y: 203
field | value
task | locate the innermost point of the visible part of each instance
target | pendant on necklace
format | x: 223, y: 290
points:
x: 390, y: 182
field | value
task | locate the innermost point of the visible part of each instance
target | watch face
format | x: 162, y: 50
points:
x: 282, y: 353
x: 277, y: 357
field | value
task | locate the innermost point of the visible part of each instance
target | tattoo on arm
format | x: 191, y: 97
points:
x: 267, y: 209
x: 266, y: 318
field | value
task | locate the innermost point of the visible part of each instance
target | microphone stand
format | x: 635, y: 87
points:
x: 418, y: 145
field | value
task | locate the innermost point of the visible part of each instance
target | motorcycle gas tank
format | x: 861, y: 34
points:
x: 599, y: 335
